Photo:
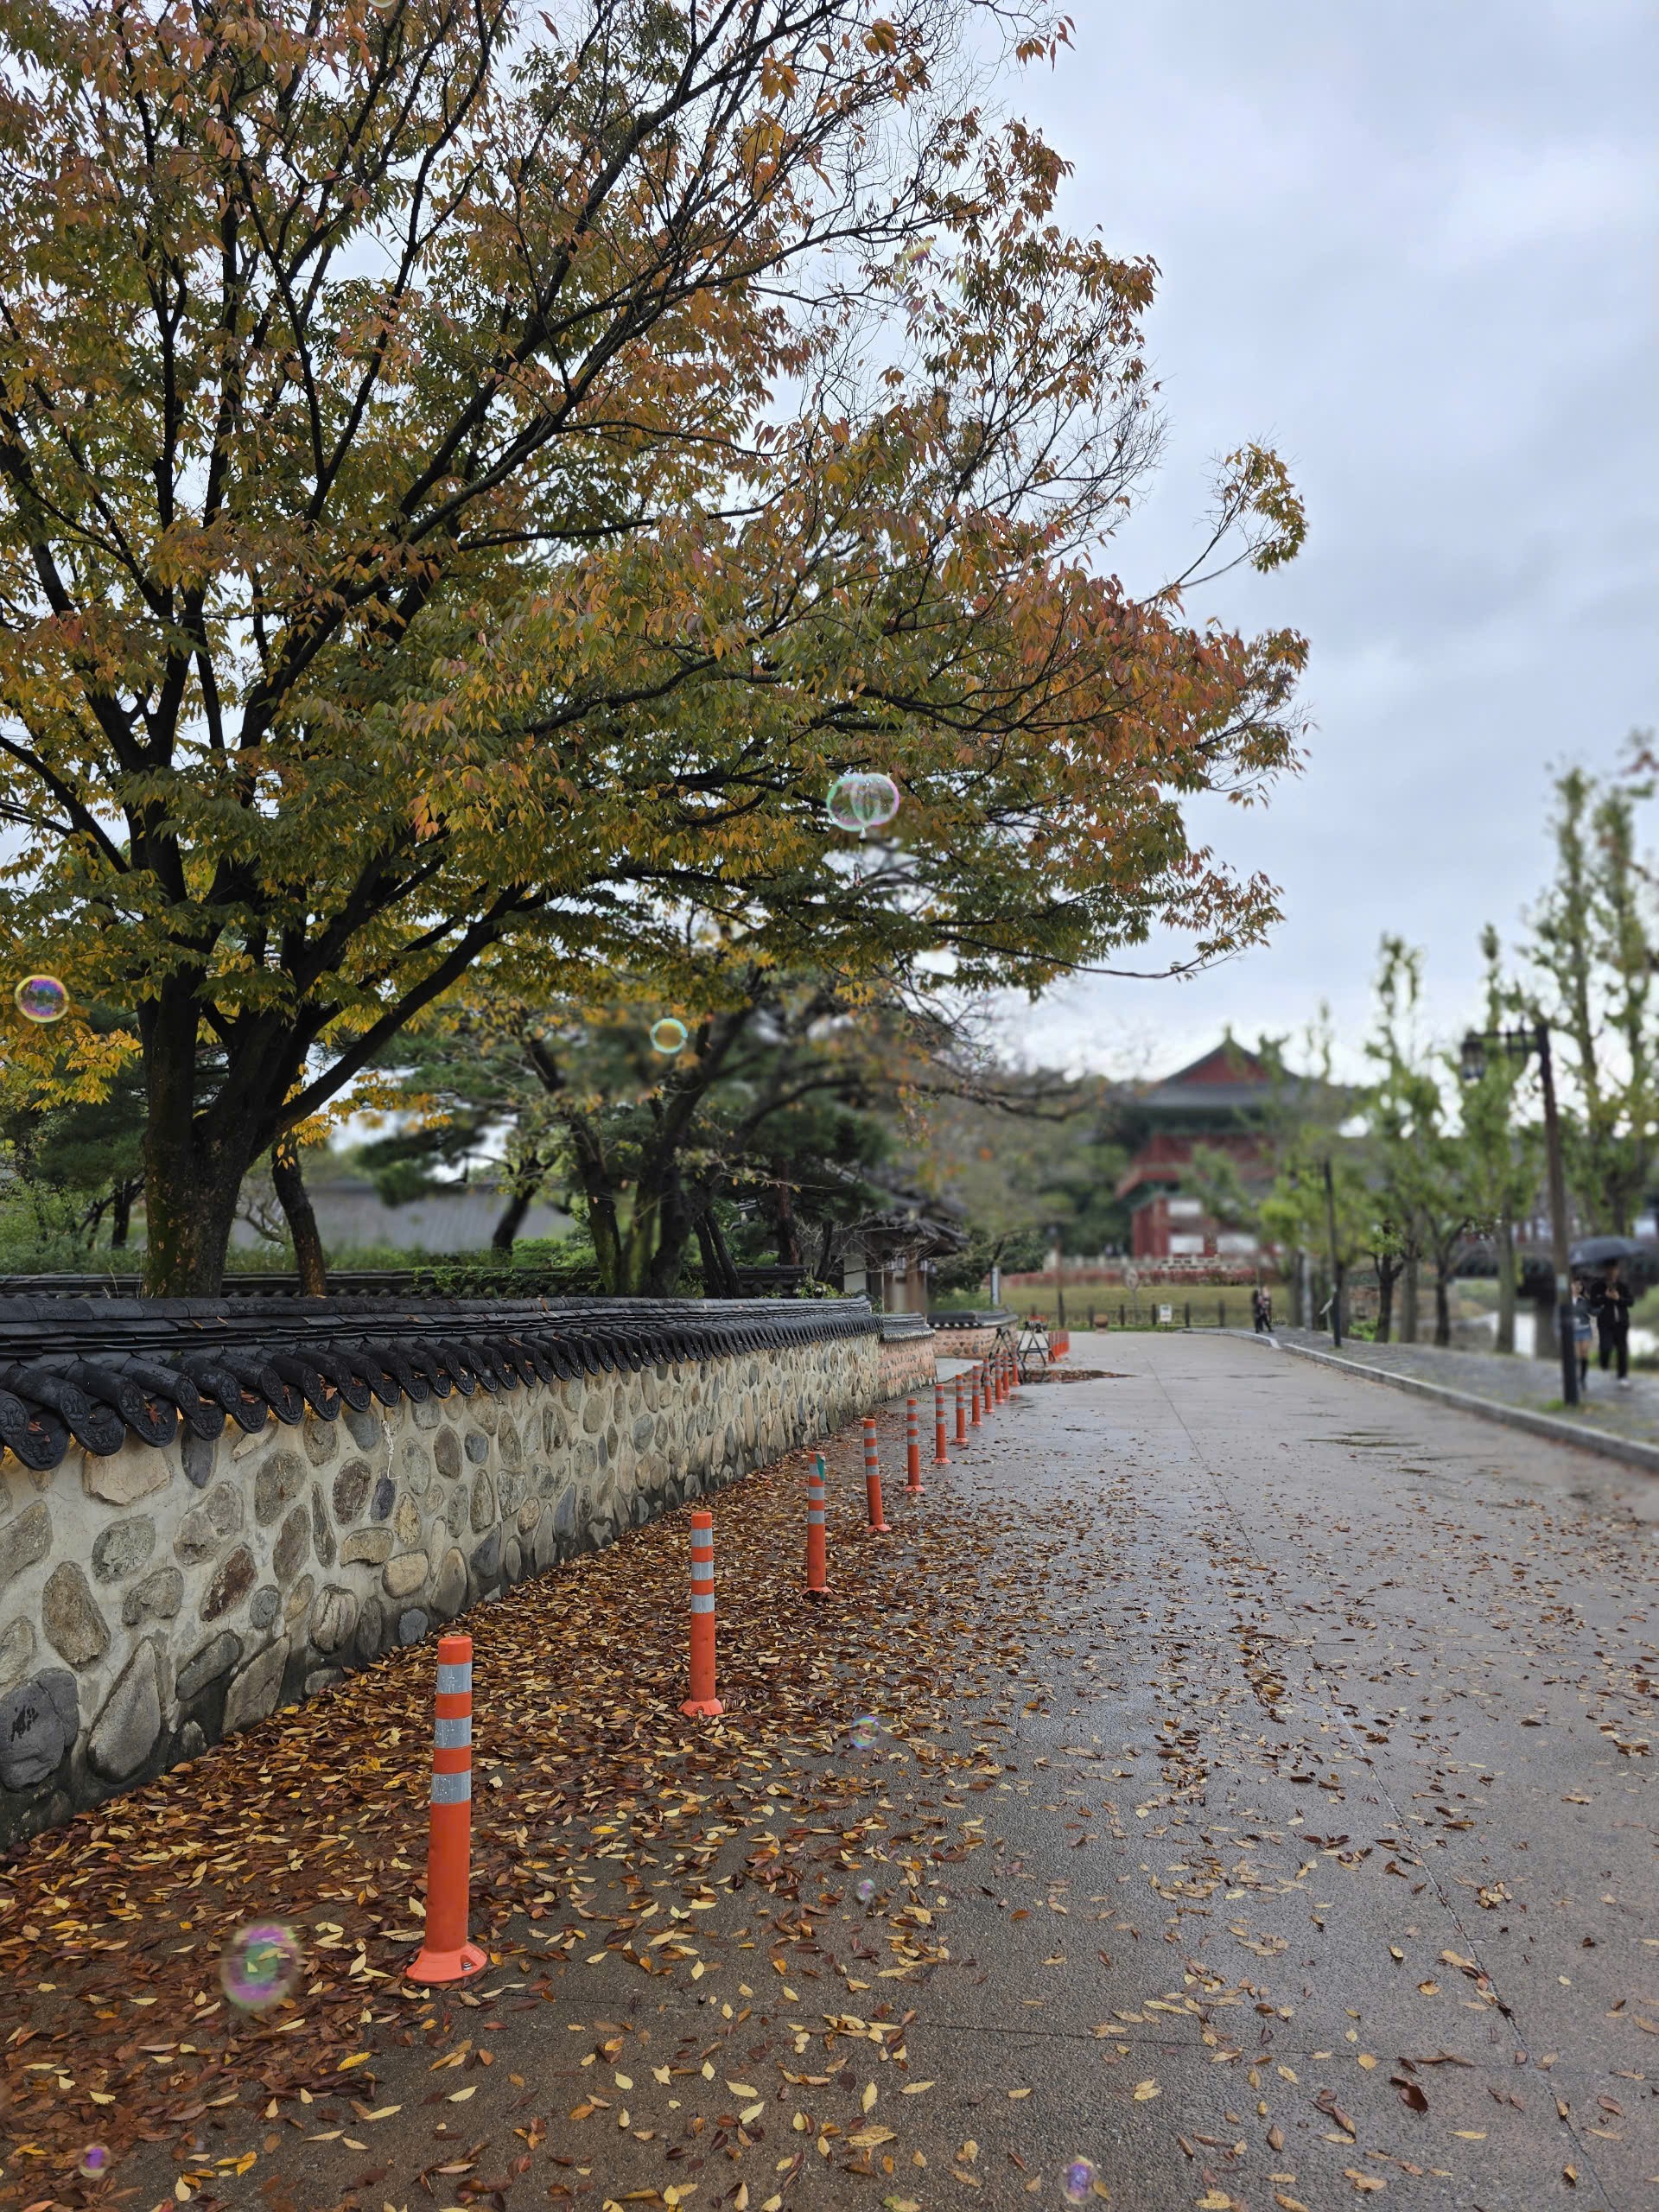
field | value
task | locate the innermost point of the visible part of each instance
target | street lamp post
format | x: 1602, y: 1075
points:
x: 1520, y: 1045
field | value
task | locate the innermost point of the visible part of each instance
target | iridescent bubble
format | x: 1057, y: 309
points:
x: 261, y: 1965
x: 1077, y: 2181
x: 864, y: 1731
x: 865, y: 1891
x: 93, y: 2163
x: 669, y: 1035
x: 862, y: 799
x: 41, y: 997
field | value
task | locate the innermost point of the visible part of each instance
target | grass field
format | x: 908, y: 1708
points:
x: 1212, y: 1305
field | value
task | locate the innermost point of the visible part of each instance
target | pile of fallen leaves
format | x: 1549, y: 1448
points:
x: 112, y: 1928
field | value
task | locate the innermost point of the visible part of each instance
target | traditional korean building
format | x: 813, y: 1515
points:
x: 1222, y: 1103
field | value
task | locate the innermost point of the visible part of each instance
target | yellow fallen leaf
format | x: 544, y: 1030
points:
x: 626, y: 2081
x: 742, y: 2088
x: 1367, y: 2184
x: 357, y: 2058
x: 868, y: 2138
x: 1015, y: 2094
x: 1289, y: 2203
x: 750, y: 2114
x: 1366, y: 2060
x: 1470, y: 2134
x: 1144, y: 2092
x: 915, y: 2089
x: 1215, y: 2199
x: 459, y: 2096
x: 867, y: 2102
x: 385, y: 2113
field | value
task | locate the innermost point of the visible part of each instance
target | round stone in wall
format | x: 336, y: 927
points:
x: 75, y: 1628
x: 449, y: 1591
x: 122, y: 1549
x: 39, y: 1721
x: 351, y: 1486
x: 231, y: 1584
x: 126, y: 1731
x: 278, y: 1483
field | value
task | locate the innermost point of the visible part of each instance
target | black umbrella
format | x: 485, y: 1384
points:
x: 1596, y: 1251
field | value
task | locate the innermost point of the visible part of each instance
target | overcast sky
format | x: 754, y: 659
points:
x: 1413, y: 247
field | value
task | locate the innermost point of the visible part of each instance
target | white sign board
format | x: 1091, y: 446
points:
x: 1165, y: 1315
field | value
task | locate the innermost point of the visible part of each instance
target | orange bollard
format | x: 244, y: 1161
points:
x: 912, y: 1450
x: 703, y: 1698
x: 974, y: 1416
x: 873, y: 1480
x: 817, y: 1559
x: 445, y: 1954
x: 962, y: 1414
x: 1001, y: 1378
x: 940, y: 1457
x: 1013, y: 1372
x: 985, y: 1386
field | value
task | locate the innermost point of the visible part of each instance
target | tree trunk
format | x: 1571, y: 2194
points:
x: 525, y: 1184
x: 189, y: 1206
x: 301, y: 1217
x: 121, y: 1200
x: 1409, y: 1304
x: 1505, y: 1337
x: 674, y: 1228
x: 1442, y: 1303
x: 785, y: 1230
x: 1385, y: 1281
x: 719, y: 1275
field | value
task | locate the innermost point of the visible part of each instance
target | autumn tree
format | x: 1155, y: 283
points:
x: 468, y: 480
x: 766, y: 1104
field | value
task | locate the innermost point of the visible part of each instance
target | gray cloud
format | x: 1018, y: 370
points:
x: 1415, y: 247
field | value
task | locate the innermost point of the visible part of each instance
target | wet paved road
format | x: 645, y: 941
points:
x: 1288, y: 1840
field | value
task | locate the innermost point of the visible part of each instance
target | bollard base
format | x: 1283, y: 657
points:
x: 879, y: 1528
x: 696, y: 1708
x: 822, y: 1592
x: 915, y: 1490
x: 447, y: 1966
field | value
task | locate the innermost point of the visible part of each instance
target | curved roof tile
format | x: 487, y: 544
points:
x: 100, y: 1371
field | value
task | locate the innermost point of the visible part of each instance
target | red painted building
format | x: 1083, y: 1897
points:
x: 1220, y: 1103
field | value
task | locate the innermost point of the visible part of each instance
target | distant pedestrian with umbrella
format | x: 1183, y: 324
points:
x: 1612, y: 1312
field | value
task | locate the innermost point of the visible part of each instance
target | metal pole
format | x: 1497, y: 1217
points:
x: 1558, y: 1221
x: 1336, y: 1264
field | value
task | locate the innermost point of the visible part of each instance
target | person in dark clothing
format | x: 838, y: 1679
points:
x: 1612, y: 1310
x: 1582, y: 1326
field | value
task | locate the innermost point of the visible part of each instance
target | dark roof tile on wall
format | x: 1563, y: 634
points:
x: 100, y: 1371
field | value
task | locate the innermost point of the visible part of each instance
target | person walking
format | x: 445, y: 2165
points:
x: 1612, y: 1312
x: 1582, y: 1325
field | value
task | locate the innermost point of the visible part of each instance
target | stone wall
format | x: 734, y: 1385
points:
x: 905, y: 1359
x: 154, y: 1598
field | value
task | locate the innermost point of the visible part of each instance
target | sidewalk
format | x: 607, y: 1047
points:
x: 1610, y: 1416
x: 883, y: 1936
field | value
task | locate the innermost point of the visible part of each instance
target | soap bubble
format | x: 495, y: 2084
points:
x: 862, y: 799
x: 93, y: 2162
x: 864, y: 1731
x: 865, y: 1891
x: 41, y: 997
x: 669, y: 1035
x: 1078, y: 2180
x: 261, y: 1965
